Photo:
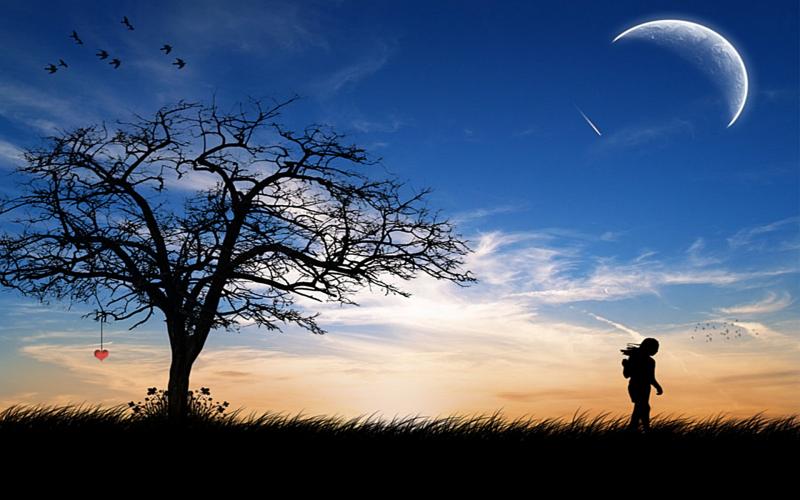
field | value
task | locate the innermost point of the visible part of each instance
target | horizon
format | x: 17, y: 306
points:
x: 600, y: 185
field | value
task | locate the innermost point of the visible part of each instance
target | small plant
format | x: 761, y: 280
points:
x: 201, y: 405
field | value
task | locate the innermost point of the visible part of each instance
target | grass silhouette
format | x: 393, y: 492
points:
x: 493, y: 428
x: 513, y: 448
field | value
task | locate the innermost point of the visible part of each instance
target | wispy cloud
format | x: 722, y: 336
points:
x: 36, y: 109
x: 697, y: 257
x: 574, y: 235
x: 645, y: 255
x: 482, y: 213
x: 250, y: 26
x: 616, y: 281
x: 638, y: 136
x: 9, y: 154
x: 638, y: 337
x: 748, y: 237
x: 390, y: 125
x: 520, y: 272
x: 530, y: 131
x: 771, y: 303
x: 82, y: 101
x: 449, y: 350
x: 611, y: 235
x: 353, y: 73
x: 438, y: 352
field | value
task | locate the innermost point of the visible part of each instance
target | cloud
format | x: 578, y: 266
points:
x: 555, y: 266
x: 645, y: 256
x: 696, y: 258
x: 35, y: 109
x: 634, y: 137
x: 388, y: 126
x: 194, y: 180
x: 638, y: 337
x: 83, y: 101
x: 131, y: 364
x: 612, y: 281
x: 745, y: 238
x: 204, y: 32
x: 695, y: 247
x: 484, y: 212
x: 524, y: 270
x: 531, y: 131
x: 611, y: 235
x: 573, y: 234
x: 249, y: 26
x: 519, y: 274
x: 447, y: 364
x: 771, y: 303
x: 350, y: 75
x: 10, y: 154
x: 448, y: 349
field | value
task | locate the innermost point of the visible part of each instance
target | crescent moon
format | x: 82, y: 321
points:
x: 704, y: 46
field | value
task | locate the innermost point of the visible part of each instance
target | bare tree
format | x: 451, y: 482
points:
x: 102, y: 218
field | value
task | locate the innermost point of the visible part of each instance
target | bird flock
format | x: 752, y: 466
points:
x: 721, y: 330
x: 103, y: 55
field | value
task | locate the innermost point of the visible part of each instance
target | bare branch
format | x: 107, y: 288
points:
x: 291, y: 215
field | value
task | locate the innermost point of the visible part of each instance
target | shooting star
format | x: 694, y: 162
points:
x: 594, y: 127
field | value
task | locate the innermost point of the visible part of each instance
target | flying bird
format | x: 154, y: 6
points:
x: 180, y: 63
x: 594, y: 127
x: 62, y: 63
x: 127, y: 23
x: 115, y: 63
x: 102, y: 54
x: 51, y: 68
x: 75, y: 37
x: 166, y: 48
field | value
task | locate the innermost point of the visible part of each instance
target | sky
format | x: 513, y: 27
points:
x: 582, y: 242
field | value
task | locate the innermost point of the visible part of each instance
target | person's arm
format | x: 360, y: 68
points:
x: 659, y: 390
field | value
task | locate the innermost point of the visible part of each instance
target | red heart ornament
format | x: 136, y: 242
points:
x: 101, y: 355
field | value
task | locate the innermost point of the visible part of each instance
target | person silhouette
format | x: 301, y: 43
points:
x: 640, y: 368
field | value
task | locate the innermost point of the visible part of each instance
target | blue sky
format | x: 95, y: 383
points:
x: 668, y: 219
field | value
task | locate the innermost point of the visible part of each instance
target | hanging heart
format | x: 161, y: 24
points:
x: 101, y: 354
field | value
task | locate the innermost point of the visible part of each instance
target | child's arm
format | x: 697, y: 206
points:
x: 659, y: 390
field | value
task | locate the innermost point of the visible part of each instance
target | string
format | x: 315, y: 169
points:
x: 101, y: 333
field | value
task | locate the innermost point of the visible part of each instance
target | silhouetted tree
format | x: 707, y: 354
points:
x: 124, y: 220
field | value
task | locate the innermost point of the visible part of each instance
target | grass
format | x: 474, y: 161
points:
x: 494, y: 428
x: 486, y: 446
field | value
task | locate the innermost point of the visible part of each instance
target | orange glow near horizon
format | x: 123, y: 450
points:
x: 443, y: 351
x: 367, y: 377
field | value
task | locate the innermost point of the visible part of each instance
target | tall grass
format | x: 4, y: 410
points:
x: 455, y: 449
x: 495, y: 427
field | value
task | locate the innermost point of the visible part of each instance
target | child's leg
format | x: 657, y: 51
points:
x: 645, y: 415
x: 635, y: 416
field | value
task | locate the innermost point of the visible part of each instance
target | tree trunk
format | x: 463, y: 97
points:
x: 178, y: 389
x: 184, y: 354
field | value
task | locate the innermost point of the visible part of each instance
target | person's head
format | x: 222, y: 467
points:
x: 649, y: 346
